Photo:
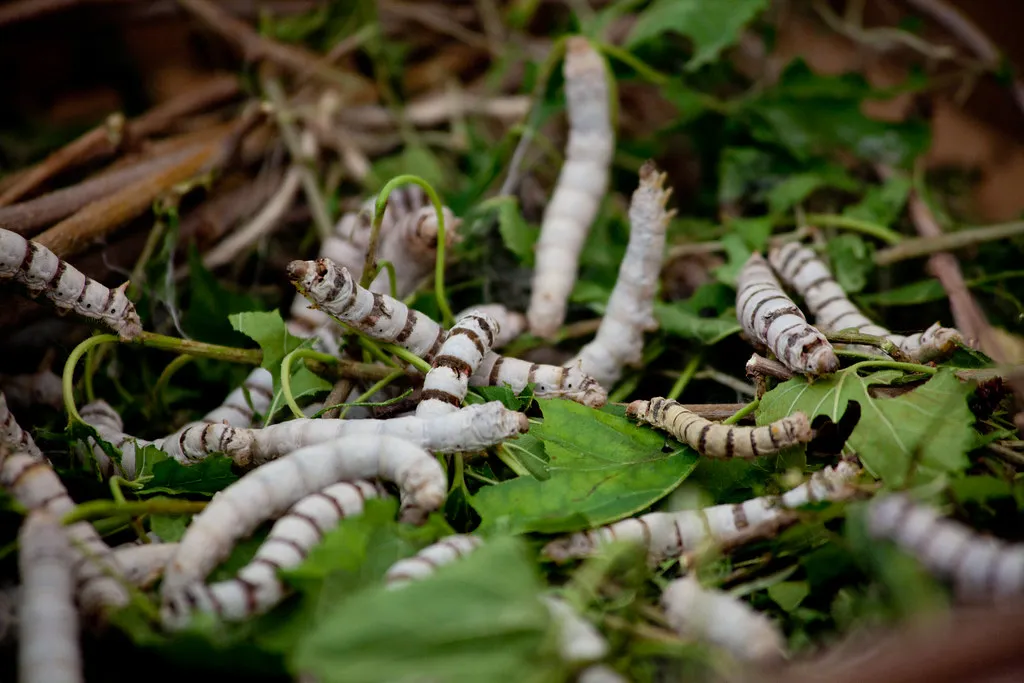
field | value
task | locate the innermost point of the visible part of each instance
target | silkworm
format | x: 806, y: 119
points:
x: 27, y: 476
x: 981, y: 568
x: 511, y: 323
x: 669, y: 534
x: 108, y: 425
x: 717, y: 440
x: 411, y: 246
x: 425, y: 562
x: 802, y: 270
x: 48, y: 650
x: 721, y: 619
x: 257, y: 588
x: 13, y: 436
x: 41, y: 272
x: 143, y: 563
x: 620, y: 338
x: 38, y: 388
x: 581, y: 185
x: 771, y: 318
x: 600, y: 673
x: 470, y: 429
x: 445, y: 386
x: 245, y: 402
x: 383, y: 318
x: 269, y: 491
x: 578, y: 640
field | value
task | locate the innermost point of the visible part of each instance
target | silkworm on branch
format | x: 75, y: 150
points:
x: 40, y: 272
x: 425, y: 562
x: 257, y: 588
x: 269, y: 491
x: 771, y: 318
x: 470, y: 429
x: 445, y: 386
x: 667, y: 535
x: 717, y: 440
x: 511, y: 323
x: 807, y: 275
x: 550, y: 381
x: 581, y: 185
x: 981, y: 568
x: 721, y: 619
x: 48, y: 650
x: 620, y: 338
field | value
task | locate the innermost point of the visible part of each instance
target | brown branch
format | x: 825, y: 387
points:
x: 759, y: 366
x: 107, y: 139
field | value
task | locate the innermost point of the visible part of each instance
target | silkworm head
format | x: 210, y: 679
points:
x: 636, y: 409
x: 297, y: 270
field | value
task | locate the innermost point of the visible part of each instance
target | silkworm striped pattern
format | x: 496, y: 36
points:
x: 41, y: 272
x: 256, y: 588
x: 581, y: 185
x: 771, y: 318
x: 425, y: 562
x: 981, y: 568
x: 620, y: 338
x: 717, y: 440
x: 445, y: 386
x: 268, y: 491
x: 511, y: 323
x: 550, y: 381
x: 669, y: 534
x: 12, y: 435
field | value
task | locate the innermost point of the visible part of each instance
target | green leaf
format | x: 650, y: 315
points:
x: 210, y: 303
x: 980, y: 488
x: 754, y: 231
x: 712, y: 26
x: 882, y: 204
x: 851, y: 261
x: 789, y: 594
x: 908, y: 295
x: 518, y: 236
x: 504, y: 394
x: 163, y: 474
x: 478, y: 619
x: 602, y: 467
x: 676, y: 320
x: 170, y: 528
x: 529, y: 451
x: 737, y: 252
x: 931, y: 425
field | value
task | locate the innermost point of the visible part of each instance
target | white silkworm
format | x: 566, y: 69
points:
x: 472, y: 428
x: 581, y: 185
x: 717, y: 440
x: 334, y: 291
x: 550, y: 381
x: 411, y: 247
x: 13, y: 436
x: 48, y: 650
x: 981, y: 568
x: 143, y: 563
x: 445, y: 386
x: 600, y: 673
x: 721, y: 619
x: 669, y: 534
x: 620, y: 338
x: 41, y: 272
x: 511, y: 323
x: 107, y: 423
x: 802, y: 270
x: 257, y: 588
x: 268, y: 492
x: 38, y: 388
x: 578, y: 640
x: 248, y: 400
x: 425, y: 562
x: 770, y: 317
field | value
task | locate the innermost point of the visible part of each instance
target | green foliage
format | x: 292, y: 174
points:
x: 851, y: 261
x: 518, y: 236
x: 159, y: 473
x: 210, y: 304
x: 602, y: 468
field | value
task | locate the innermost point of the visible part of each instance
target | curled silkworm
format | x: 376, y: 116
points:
x: 445, y: 386
x: 41, y: 272
x: 48, y: 650
x: 425, y: 562
x: 38, y: 388
x: 580, y: 187
x: 771, y: 318
x: 471, y: 428
x: 717, y: 440
x: 334, y: 291
x: 411, y: 246
x: 12, y: 435
x: 630, y: 313
x: 981, y: 568
x: 270, y: 490
x: 511, y: 323
x: 802, y: 270
x: 669, y: 534
x: 550, y: 381
x: 143, y: 563
x: 244, y: 403
x: 721, y: 619
x: 257, y: 588
x: 578, y: 640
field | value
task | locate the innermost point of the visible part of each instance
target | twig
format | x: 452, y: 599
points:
x: 759, y: 366
x: 341, y: 390
x: 894, y: 352
x: 350, y: 369
x: 436, y: 18
x: 926, y: 246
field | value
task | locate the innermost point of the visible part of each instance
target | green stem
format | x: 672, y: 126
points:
x: 91, y: 361
x: 373, y: 390
x: 68, y: 378
x: 409, y: 357
x: 200, y: 349
x: 370, y: 270
x: 511, y: 461
x: 165, y: 377
x: 392, y: 277
x: 684, y: 378
x: 879, y: 232
x: 742, y: 412
x: 843, y: 337
x: 893, y: 365
x: 949, y: 241
x: 286, y: 375
x: 100, y: 509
